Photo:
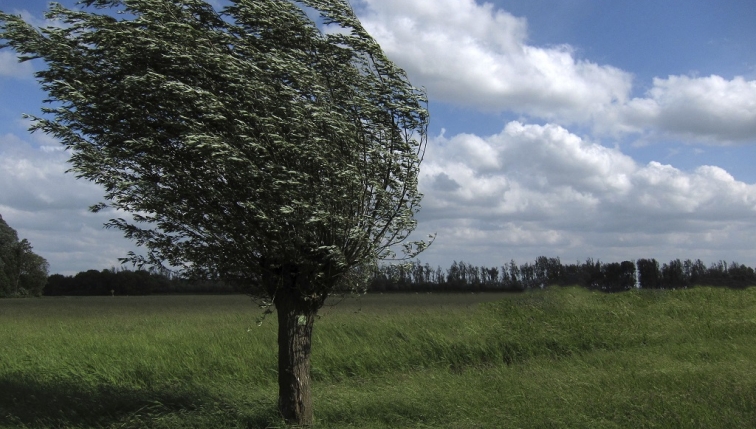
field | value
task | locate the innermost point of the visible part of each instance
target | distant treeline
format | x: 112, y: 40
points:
x: 128, y: 282
x: 544, y: 271
x: 459, y: 277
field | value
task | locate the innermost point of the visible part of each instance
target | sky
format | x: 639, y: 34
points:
x: 612, y: 130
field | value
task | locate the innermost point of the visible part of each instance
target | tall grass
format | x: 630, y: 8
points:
x: 563, y: 357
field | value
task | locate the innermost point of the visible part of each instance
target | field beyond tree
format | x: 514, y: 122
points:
x: 559, y: 357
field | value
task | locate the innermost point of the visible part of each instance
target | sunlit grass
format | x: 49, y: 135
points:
x: 564, y: 357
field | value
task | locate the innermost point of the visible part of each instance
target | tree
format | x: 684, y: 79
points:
x: 22, y: 272
x: 649, y: 276
x: 612, y: 276
x: 515, y: 277
x: 8, y: 243
x: 673, y: 275
x: 248, y: 144
x: 32, y: 271
x: 628, y: 275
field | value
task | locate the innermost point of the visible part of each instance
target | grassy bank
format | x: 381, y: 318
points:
x: 563, y: 357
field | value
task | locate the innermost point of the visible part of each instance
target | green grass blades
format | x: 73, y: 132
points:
x: 560, y: 358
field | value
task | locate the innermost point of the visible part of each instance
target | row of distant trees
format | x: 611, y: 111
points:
x: 123, y: 281
x: 459, y: 277
x: 545, y: 271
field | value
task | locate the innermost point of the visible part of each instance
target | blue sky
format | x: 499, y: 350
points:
x: 584, y: 128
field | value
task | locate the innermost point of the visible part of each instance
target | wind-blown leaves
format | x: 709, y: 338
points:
x: 242, y: 139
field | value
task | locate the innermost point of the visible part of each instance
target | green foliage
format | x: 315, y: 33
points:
x: 243, y: 141
x: 8, y: 243
x: 22, y: 272
x: 562, y: 357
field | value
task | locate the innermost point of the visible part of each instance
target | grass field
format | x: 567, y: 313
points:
x: 563, y: 357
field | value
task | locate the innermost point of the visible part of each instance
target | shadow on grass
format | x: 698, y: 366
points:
x: 26, y: 402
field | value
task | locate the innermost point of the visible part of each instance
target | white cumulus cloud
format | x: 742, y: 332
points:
x: 546, y: 188
x: 704, y: 108
x: 467, y: 53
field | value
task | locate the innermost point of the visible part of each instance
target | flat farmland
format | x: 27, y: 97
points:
x: 560, y: 357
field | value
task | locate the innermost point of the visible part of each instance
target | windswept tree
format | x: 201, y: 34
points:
x: 271, y: 143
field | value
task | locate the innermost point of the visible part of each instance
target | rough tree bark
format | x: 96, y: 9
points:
x: 296, y: 314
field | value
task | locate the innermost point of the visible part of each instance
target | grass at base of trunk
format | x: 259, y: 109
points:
x: 563, y: 357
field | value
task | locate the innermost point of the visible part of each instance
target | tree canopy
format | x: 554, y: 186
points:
x: 254, y: 144
x: 241, y: 139
x: 22, y: 272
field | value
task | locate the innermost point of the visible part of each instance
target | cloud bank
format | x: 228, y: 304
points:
x: 535, y: 187
x: 466, y: 53
x: 708, y: 109
x: 475, y: 55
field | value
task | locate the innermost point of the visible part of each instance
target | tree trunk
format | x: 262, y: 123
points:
x: 295, y: 320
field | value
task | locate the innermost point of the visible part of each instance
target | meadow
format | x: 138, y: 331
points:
x: 554, y: 358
